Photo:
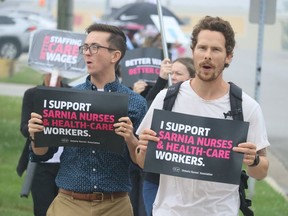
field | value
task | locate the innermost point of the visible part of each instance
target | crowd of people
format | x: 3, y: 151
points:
x: 91, y: 181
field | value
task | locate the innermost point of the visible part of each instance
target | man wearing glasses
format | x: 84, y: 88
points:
x: 93, y: 48
x: 93, y: 182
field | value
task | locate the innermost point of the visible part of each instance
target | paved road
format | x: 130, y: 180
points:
x: 273, y: 100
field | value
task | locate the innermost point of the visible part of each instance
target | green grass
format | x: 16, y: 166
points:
x: 25, y: 75
x: 266, y: 201
x: 11, y: 146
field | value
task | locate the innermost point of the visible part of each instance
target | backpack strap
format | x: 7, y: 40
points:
x: 170, y: 96
x: 237, y: 114
x: 244, y: 202
x: 235, y: 96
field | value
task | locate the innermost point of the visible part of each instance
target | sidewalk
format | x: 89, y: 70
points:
x: 13, y: 89
x: 278, y: 170
x: 277, y: 175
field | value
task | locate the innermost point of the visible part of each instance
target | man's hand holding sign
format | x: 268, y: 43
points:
x: 81, y: 119
x: 194, y: 147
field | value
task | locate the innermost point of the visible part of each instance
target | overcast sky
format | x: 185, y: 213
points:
x: 174, y: 5
x: 188, y: 3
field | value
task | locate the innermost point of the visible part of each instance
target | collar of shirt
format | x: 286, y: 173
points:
x: 109, y: 87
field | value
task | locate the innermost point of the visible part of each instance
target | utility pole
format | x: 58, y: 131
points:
x: 65, y: 15
x: 261, y: 12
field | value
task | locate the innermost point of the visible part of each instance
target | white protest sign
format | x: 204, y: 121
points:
x: 173, y: 32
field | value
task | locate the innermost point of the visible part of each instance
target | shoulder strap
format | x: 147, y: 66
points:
x: 237, y: 114
x: 170, y: 96
x: 244, y: 202
x: 235, y: 102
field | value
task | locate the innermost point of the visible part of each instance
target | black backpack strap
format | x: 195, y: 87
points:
x: 237, y: 114
x: 169, y: 100
x: 244, y: 202
x: 170, y: 96
x: 235, y: 102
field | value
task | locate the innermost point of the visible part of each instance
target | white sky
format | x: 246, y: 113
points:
x: 187, y: 3
x: 183, y: 4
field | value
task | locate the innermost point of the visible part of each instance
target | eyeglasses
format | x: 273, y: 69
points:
x: 93, y: 49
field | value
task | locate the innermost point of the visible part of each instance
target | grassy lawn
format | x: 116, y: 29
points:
x: 11, y: 146
x: 25, y: 75
x: 266, y: 201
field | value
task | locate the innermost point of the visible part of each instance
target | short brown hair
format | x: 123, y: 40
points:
x: 215, y: 24
x: 117, y: 39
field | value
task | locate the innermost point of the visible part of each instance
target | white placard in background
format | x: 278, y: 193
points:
x: 173, y: 32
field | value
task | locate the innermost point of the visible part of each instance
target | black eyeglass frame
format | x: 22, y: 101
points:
x: 84, y: 48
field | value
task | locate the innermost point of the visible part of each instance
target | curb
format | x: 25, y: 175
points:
x: 276, y: 187
x: 277, y: 175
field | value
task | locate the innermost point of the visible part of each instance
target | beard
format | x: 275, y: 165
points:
x: 209, y: 76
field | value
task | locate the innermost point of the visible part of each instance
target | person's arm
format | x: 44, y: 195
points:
x: 257, y: 142
x: 258, y: 170
x: 162, y: 80
x: 140, y: 153
x: 124, y: 128
x: 159, y: 85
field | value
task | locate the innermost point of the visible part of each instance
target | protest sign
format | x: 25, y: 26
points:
x: 141, y: 64
x: 196, y: 147
x: 80, y: 118
x: 57, y: 50
x: 173, y: 32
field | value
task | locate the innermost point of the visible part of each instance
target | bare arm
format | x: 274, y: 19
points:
x: 259, y: 171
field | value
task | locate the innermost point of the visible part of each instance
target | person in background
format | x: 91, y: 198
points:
x: 43, y: 186
x: 176, y: 49
x: 141, y: 86
x: 93, y: 181
x: 150, y: 89
x: 180, y: 70
x: 144, y: 87
x: 213, y: 42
